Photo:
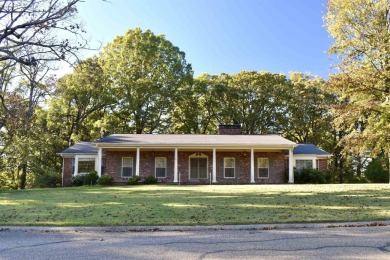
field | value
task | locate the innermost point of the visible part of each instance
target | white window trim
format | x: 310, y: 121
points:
x: 201, y: 155
x: 313, y: 162
x: 155, y: 167
x: 234, y: 168
x: 258, y: 172
x: 132, y: 167
x: 76, y: 165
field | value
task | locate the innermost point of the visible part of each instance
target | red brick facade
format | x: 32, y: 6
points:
x: 67, y: 172
x: 322, y: 164
x: 242, y: 172
x: 242, y: 163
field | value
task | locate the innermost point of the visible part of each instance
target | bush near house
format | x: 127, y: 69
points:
x: 309, y: 175
x: 134, y: 180
x: 105, y: 180
x: 85, y: 179
x: 150, y: 180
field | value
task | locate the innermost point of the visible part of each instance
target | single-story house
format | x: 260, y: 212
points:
x: 226, y: 158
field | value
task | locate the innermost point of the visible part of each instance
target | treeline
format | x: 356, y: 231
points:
x: 142, y: 83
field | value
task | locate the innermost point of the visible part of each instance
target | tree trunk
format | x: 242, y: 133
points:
x: 23, y: 177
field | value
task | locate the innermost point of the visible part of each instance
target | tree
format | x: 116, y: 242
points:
x: 307, y: 118
x: 146, y: 73
x: 252, y: 99
x: 78, y: 109
x: 361, y: 29
x: 39, y: 30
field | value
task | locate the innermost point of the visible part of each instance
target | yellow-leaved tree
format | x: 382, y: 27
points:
x: 361, y: 32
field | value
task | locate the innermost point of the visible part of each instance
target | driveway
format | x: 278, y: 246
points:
x: 364, y: 242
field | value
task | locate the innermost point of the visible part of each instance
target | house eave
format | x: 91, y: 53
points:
x: 196, y: 146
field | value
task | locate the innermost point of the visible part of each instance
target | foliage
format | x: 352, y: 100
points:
x: 105, y: 180
x: 306, y: 118
x: 376, y: 171
x: 150, y: 180
x: 360, y: 179
x: 195, y: 205
x: 309, y: 175
x: 78, y: 180
x: 77, y: 110
x: 48, y: 180
x: 90, y: 178
x: 362, y: 39
x: 146, y: 72
x: 135, y: 180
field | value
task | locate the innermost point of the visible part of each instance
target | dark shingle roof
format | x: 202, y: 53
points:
x: 201, y: 140
x: 309, y: 149
x: 81, y: 148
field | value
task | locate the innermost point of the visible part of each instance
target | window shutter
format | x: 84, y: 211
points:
x: 237, y: 169
x: 152, y: 167
x: 221, y: 168
x: 271, y: 167
x: 169, y: 167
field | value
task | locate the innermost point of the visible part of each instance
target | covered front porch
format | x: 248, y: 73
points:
x: 198, y: 165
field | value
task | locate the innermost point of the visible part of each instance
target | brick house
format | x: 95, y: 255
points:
x: 226, y: 158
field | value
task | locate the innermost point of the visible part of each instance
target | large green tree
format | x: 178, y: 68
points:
x: 307, y: 118
x: 146, y: 72
x: 78, y: 108
x: 361, y: 32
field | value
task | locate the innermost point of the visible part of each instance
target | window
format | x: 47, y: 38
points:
x: 161, y: 167
x: 301, y: 164
x: 127, y: 167
x: 229, y: 165
x: 85, y: 165
x: 263, y: 167
x: 198, y: 168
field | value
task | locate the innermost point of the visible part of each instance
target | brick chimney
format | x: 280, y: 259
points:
x: 229, y: 129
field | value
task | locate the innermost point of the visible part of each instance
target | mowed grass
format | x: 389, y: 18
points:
x: 195, y: 205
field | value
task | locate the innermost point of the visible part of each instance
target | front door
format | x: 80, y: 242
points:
x: 198, y: 168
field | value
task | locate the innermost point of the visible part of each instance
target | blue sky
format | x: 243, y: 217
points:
x: 224, y: 35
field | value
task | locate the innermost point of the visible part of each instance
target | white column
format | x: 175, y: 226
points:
x: 98, y: 164
x: 252, y: 166
x: 290, y: 166
x: 176, y: 166
x: 137, y: 163
x: 315, y: 163
x: 214, y: 165
x: 76, y: 165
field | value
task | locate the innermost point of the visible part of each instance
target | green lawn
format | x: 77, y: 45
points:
x: 195, y: 205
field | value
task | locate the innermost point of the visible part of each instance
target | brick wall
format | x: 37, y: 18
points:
x: 229, y: 129
x: 67, y: 172
x: 323, y: 164
x: 242, y: 171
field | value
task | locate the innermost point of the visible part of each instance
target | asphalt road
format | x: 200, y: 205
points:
x: 291, y: 243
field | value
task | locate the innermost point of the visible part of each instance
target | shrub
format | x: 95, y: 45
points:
x: 48, y: 180
x: 150, y: 180
x: 376, y: 172
x: 134, y: 180
x: 78, y: 180
x: 309, y: 175
x: 105, y: 180
x: 91, y: 178
x: 361, y: 179
x: 85, y: 179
